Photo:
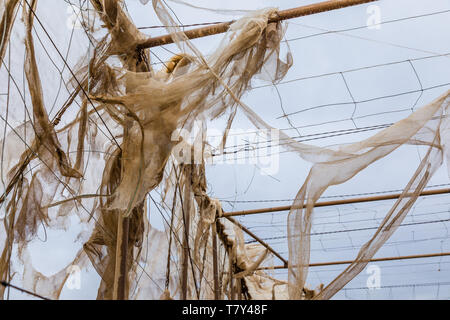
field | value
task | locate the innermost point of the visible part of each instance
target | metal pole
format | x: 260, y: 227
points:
x: 254, y: 236
x: 215, y: 265
x: 279, y: 16
x: 333, y: 203
x: 231, y: 259
x: 186, y: 220
x: 333, y: 263
x: 120, y: 278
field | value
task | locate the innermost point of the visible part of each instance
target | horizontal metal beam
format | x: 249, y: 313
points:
x: 333, y: 263
x: 279, y: 16
x: 334, y: 203
x: 262, y: 242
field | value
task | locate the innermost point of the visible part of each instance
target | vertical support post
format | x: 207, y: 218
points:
x: 231, y: 274
x: 120, y: 277
x: 239, y: 288
x: 215, y: 264
x: 186, y: 219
